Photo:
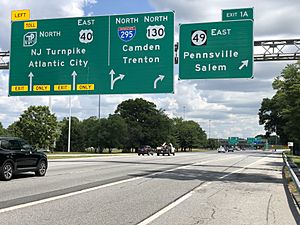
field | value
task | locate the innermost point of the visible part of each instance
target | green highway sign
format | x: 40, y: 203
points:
x: 233, y: 140
x: 237, y: 14
x: 250, y: 140
x: 120, y: 54
x: 216, y: 50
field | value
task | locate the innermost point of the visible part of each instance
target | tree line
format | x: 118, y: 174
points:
x: 134, y: 123
x: 281, y: 113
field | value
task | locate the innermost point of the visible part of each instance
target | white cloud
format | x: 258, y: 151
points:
x: 276, y: 19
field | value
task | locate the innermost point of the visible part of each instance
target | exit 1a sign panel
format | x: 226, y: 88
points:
x: 216, y: 50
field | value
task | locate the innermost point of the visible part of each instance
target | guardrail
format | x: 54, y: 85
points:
x: 293, y: 175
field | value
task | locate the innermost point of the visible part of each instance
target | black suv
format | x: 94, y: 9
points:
x: 16, y: 155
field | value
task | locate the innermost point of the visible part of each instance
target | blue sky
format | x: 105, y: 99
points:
x: 108, y: 7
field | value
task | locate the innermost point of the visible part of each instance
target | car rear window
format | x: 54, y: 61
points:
x: 4, y: 144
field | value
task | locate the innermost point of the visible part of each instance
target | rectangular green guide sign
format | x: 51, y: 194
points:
x: 233, y: 140
x: 120, y: 54
x: 237, y: 14
x: 250, y: 140
x: 216, y: 50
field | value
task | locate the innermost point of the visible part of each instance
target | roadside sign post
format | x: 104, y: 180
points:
x: 216, y: 50
x: 120, y: 54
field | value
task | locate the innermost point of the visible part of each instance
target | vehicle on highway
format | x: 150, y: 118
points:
x: 165, y: 149
x: 16, y: 156
x: 145, y: 150
x: 221, y: 149
x: 230, y: 149
x: 237, y: 148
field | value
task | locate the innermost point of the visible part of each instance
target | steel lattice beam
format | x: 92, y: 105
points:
x: 269, y: 50
x: 277, y: 50
x: 4, y: 60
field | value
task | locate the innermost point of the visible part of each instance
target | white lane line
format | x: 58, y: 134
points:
x: 187, y: 196
x: 66, y: 195
x: 99, y: 187
x: 236, y: 171
x: 166, y: 209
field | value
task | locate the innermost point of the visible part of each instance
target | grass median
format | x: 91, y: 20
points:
x: 70, y: 156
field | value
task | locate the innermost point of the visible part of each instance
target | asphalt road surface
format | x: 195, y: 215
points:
x: 188, y: 188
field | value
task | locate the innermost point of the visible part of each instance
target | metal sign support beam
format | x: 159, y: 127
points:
x: 269, y: 50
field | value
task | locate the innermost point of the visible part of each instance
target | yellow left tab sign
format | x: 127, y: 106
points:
x: 17, y: 15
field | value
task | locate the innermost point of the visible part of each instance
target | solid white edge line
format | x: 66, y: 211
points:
x: 188, y: 195
x: 101, y: 187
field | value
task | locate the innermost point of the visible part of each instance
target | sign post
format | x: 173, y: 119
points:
x: 216, y: 50
x: 120, y: 54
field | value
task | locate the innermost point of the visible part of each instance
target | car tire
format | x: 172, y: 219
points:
x: 6, y: 171
x: 41, y: 169
x: 157, y: 154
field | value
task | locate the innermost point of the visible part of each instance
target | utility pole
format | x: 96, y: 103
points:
x: 208, y: 129
x: 99, y: 107
x: 50, y: 104
x: 70, y: 118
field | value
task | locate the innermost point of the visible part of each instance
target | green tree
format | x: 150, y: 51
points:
x: 38, y: 126
x: 14, y: 130
x: 281, y: 113
x: 77, y: 136
x: 213, y: 143
x: 114, y: 132
x: 90, y: 129
x: 3, y: 131
x: 146, y: 124
x: 189, y: 134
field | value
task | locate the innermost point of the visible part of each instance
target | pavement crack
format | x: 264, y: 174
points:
x: 212, y: 216
x: 215, y: 193
x: 268, y: 209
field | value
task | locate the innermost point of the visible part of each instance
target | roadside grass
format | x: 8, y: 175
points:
x: 294, y: 158
x: 196, y: 150
x: 291, y: 184
x: 69, y: 153
x: 105, y: 151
